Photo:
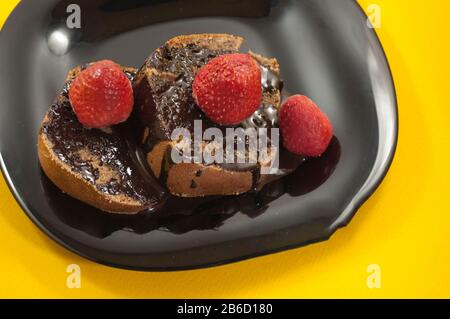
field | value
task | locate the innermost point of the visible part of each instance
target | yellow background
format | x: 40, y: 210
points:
x: 404, y: 227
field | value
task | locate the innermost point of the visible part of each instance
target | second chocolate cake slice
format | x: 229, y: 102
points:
x: 164, y: 103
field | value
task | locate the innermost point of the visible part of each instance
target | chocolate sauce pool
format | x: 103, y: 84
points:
x: 179, y: 215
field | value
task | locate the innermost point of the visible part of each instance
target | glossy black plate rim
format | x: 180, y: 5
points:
x: 359, y: 199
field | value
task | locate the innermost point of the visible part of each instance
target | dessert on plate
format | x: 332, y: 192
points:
x: 188, y: 123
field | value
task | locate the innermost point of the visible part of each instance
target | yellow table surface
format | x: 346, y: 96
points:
x: 403, y: 227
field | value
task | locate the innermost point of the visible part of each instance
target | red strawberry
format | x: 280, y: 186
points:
x: 101, y: 95
x: 228, y: 88
x: 305, y: 129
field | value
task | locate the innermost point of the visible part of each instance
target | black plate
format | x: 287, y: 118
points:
x: 326, y: 51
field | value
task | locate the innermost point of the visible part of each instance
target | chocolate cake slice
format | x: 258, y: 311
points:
x: 91, y: 165
x: 164, y: 102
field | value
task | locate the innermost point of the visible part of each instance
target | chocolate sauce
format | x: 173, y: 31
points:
x: 269, y: 80
x: 181, y: 215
